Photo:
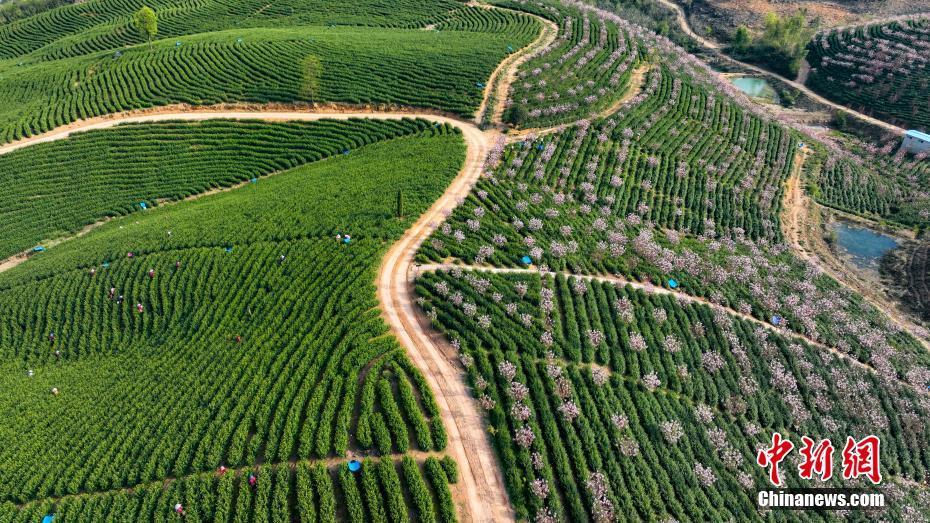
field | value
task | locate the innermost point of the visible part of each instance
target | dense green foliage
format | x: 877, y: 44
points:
x: 671, y: 187
x: 146, y: 22
x: 880, y: 69
x: 782, y: 44
x: 11, y: 10
x: 590, y: 406
x: 304, y: 492
x: 259, y: 338
x: 682, y: 158
x: 54, y: 189
x: 97, y: 25
x: 83, y: 60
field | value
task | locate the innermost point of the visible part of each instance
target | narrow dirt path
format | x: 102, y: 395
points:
x: 654, y: 289
x: 686, y: 26
x: 637, y: 79
x: 483, y: 482
x: 480, y: 492
x: 505, y: 74
x: 716, y: 49
x: 801, y: 223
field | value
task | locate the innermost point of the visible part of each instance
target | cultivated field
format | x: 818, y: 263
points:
x: 883, y: 184
x: 239, y: 330
x: 880, y: 69
x: 594, y: 307
x: 52, y: 78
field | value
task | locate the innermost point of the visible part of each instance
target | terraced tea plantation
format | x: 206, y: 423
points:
x: 583, y: 72
x: 878, y: 68
x: 597, y: 317
x: 123, y: 169
x: 236, y: 327
x: 606, y: 403
x: 875, y: 186
x: 90, y: 71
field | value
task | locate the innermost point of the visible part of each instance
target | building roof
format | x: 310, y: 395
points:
x: 917, y: 134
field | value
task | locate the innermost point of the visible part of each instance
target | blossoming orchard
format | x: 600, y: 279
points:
x: 436, y: 260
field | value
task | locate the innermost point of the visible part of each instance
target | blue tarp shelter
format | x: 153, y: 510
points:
x: 38, y: 248
x: 526, y: 260
x: 673, y: 283
x: 48, y: 518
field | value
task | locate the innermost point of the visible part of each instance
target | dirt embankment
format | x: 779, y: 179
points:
x: 802, y: 223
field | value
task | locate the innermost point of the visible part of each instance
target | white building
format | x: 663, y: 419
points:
x: 916, y: 142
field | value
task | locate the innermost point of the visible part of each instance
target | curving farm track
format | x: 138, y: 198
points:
x: 716, y: 49
x: 481, y: 484
x: 480, y: 493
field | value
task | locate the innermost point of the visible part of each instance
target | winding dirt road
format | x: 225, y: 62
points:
x: 716, y: 49
x: 481, y: 486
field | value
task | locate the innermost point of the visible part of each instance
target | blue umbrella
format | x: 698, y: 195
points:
x: 673, y: 283
x: 526, y: 260
x: 354, y: 465
x: 48, y: 518
x: 777, y: 320
x: 143, y: 205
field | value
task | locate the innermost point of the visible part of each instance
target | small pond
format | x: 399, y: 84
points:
x: 865, y: 247
x: 756, y: 88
